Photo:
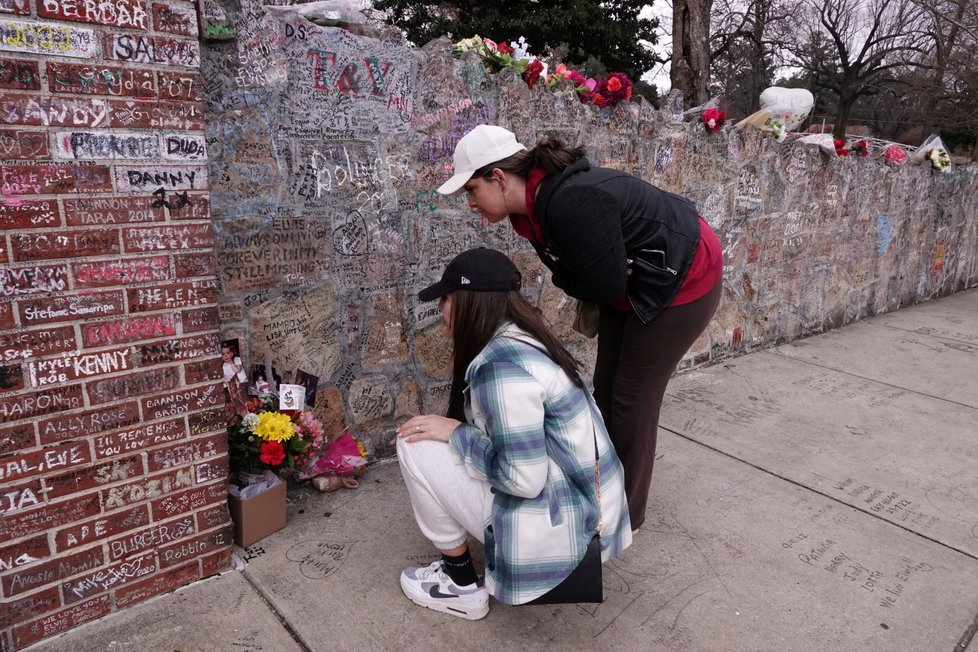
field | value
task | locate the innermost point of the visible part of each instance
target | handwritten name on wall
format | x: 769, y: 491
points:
x: 121, y: 13
x: 45, y: 38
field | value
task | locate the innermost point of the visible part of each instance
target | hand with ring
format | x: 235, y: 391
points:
x: 427, y: 426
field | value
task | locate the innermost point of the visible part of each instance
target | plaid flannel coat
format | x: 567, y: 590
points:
x: 530, y: 433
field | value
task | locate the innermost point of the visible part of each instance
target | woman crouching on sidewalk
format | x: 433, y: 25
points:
x: 513, y: 463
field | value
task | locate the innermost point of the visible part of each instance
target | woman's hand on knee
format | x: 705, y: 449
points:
x: 427, y: 426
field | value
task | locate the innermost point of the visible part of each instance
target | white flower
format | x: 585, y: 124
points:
x: 939, y: 159
x: 521, y: 49
x: 464, y: 45
x: 249, y: 421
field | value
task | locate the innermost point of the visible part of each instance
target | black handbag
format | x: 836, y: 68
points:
x: 584, y: 582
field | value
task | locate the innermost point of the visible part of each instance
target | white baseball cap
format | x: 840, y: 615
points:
x: 483, y: 145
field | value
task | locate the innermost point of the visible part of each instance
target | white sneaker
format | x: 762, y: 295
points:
x: 430, y: 586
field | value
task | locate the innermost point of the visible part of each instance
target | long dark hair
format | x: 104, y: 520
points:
x: 475, y: 318
x: 551, y: 154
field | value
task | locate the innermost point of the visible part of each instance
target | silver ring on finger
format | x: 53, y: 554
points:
x: 417, y: 428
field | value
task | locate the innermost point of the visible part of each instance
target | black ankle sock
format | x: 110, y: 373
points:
x: 460, y: 568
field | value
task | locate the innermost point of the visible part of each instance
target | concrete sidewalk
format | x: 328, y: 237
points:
x: 821, y: 495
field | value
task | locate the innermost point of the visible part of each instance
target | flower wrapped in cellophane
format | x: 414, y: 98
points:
x: 933, y: 151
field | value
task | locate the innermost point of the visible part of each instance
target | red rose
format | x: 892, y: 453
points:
x: 615, y: 88
x: 532, y: 72
x: 504, y: 48
x: 272, y: 453
x: 598, y: 99
x: 714, y: 118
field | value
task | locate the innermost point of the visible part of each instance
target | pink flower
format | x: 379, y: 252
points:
x: 491, y: 44
x: 895, y: 155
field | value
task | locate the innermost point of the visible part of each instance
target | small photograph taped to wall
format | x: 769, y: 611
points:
x: 310, y: 382
x: 235, y: 378
x: 259, y: 380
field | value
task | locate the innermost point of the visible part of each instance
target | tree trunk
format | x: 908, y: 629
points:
x: 846, y: 103
x: 690, y: 69
x: 757, y: 82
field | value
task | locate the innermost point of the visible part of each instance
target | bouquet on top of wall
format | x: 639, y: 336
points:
x: 610, y: 90
x: 845, y: 148
x: 939, y: 159
x: 894, y: 155
x: 264, y: 438
x: 933, y: 151
x: 859, y: 148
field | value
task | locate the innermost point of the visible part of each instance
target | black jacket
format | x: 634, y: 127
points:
x: 595, y: 219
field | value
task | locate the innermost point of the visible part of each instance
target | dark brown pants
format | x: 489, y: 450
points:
x: 634, y: 364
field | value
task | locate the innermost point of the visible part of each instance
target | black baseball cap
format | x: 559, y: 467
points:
x: 478, y: 270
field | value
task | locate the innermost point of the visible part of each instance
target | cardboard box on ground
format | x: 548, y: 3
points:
x: 259, y: 515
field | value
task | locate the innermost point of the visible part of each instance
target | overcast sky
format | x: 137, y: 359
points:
x: 660, y: 74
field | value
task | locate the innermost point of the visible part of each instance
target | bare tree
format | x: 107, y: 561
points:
x: 875, y: 42
x: 747, y: 39
x: 960, y: 14
x: 952, y: 89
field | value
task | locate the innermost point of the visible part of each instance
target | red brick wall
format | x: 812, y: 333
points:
x: 113, y: 457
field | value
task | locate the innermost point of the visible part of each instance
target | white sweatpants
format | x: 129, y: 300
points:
x: 447, y: 501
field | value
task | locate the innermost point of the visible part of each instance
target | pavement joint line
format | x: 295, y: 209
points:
x: 285, y: 623
x: 872, y: 380
x: 969, y: 634
x: 917, y: 332
x: 824, y: 495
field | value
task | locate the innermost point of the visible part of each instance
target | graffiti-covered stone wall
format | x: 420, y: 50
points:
x: 325, y: 148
